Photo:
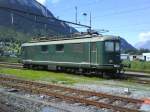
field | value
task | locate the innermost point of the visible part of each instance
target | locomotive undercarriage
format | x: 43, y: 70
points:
x: 93, y: 71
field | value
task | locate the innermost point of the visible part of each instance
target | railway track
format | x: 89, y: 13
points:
x: 139, y: 75
x: 135, y: 77
x: 8, y: 63
x: 11, y: 65
x: 100, y: 100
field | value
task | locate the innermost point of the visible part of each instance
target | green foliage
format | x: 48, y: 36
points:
x: 11, y: 35
x: 139, y: 66
x: 46, y: 76
x: 11, y: 39
x: 16, y: 37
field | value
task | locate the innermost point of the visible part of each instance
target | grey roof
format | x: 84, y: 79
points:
x: 82, y: 39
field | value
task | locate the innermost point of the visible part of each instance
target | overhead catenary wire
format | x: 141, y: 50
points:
x: 42, y: 16
x: 32, y: 19
x: 37, y: 21
x: 124, y: 12
x: 53, y: 18
x: 114, y: 13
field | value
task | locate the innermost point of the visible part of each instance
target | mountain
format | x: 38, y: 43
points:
x: 125, y: 46
x: 143, y: 45
x: 23, y: 26
x: 30, y: 24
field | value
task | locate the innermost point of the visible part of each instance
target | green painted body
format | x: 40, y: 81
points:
x: 84, y: 56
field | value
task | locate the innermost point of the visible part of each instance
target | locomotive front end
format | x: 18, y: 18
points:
x: 112, y: 51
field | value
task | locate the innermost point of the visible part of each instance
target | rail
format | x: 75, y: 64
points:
x: 75, y: 95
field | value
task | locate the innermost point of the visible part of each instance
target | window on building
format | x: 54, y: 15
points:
x: 109, y: 46
x: 93, y: 46
x: 60, y: 48
x: 134, y: 57
x: 78, y: 48
x: 44, y: 48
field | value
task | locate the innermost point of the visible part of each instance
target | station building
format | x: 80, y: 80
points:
x: 146, y: 56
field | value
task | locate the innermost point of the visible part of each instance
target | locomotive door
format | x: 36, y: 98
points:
x: 93, y: 53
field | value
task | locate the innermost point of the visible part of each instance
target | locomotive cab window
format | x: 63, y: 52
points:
x: 60, y: 48
x: 117, y: 46
x: 109, y: 46
x: 44, y: 48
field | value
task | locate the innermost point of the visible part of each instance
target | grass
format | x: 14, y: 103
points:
x: 47, y: 76
x: 64, y: 78
x: 138, y: 66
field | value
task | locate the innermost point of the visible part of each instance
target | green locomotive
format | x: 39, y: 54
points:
x: 88, y: 53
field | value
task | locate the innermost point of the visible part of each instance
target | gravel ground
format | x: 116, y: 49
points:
x: 132, y: 90
x: 25, y: 102
x: 17, y: 103
x: 119, y: 88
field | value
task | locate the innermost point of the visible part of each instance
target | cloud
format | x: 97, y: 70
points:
x: 144, y: 36
x: 143, y: 41
x: 42, y: 1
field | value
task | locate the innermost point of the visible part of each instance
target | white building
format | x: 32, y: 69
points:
x: 135, y: 57
x: 146, y: 56
x: 124, y: 56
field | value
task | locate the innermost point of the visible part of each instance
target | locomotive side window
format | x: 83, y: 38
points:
x: 117, y: 46
x: 60, y: 48
x: 44, y: 48
x: 109, y: 46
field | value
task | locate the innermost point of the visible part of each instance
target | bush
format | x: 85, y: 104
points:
x: 140, y: 66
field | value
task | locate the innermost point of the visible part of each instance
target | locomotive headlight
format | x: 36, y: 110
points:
x: 116, y: 66
x: 110, y: 61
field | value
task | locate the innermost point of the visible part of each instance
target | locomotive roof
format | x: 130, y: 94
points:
x: 82, y: 39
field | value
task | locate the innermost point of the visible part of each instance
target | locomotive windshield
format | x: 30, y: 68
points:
x: 109, y: 46
x: 112, y: 46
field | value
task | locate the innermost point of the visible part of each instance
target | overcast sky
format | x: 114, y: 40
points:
x: 126, y: 18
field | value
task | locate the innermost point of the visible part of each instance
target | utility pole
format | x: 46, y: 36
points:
x: 12, y: 18
x: 46, y: 10
x: 90, y: 21
x: 76, y: 15
x: 46, y: 19
x: 35, y: 18
x: 84, y: 15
